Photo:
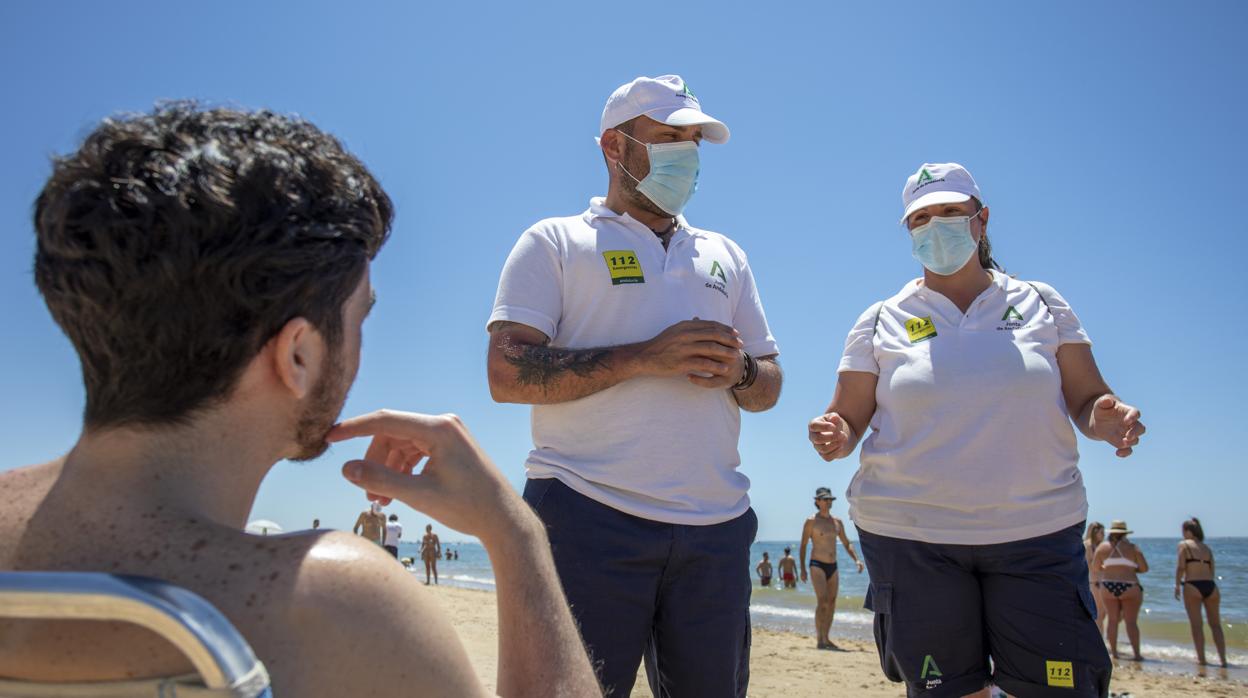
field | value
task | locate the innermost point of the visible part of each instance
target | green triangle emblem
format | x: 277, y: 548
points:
x: 924, y: 176
x: 688, y: 92
x: 717, y: 270
x: 929, y: 667
x: 1012, y: 312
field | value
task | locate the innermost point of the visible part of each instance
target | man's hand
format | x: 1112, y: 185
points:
x: 804, y: 580
x: 707, y: 353
x: 859, y: 563
x: 831, y: 436
x: 1116, y: 423
x: 458, y: 486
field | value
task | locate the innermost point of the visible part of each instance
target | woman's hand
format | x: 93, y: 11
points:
x: 831, y: 436
x: 1116, y: 423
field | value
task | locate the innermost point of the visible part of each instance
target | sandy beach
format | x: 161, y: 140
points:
x: 786, y: 664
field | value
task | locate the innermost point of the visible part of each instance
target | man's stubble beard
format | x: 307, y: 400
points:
x: 324, y: 405
x: 634, y: 161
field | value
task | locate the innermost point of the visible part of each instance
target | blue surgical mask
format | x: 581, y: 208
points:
x: 673, y: 174
x: 944, y: 245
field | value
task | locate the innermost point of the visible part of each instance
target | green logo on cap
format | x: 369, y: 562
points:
x: 924, y: 176
x: 688, y: 92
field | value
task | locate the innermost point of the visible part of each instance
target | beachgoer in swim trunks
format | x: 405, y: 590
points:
x: 822, y: 530
x: 764, y: 571
x: 788, y: 569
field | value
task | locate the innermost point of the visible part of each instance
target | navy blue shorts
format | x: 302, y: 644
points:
x: 677, y: 596
x: 943, y: 612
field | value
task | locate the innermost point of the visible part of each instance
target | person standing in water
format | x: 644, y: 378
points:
x: 788, y: 569
x: 821, y: 531
x: 1194, y: 583
x: 764, y: 571
x: 1120, y: 563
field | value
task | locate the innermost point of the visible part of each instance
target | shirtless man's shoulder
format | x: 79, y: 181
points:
x: 310, y: 604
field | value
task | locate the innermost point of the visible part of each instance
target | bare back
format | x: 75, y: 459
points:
x: 285, y: 594
x: 1197, y: 560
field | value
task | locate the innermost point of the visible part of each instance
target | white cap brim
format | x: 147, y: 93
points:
x: 932, y: 198
x: 713, y: 130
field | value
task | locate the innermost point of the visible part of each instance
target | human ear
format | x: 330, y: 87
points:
x: 612, y: 144
x: 298, y: 350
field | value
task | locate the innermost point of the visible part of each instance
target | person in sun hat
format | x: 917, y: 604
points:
x: 969, y: 502
x: 1119, y: 563
x: 638, y: 339
x: 821, y: 530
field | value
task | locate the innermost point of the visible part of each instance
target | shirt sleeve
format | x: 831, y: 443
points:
x: 859, y: 352
x: 1069, y: 329
x: 750, y: 320
x: 530, y: 289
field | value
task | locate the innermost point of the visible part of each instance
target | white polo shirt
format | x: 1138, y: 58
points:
x: 971, y: 442
x: 659, y: 448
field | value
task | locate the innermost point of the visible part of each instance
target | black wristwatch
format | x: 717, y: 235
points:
x: 750, y: 374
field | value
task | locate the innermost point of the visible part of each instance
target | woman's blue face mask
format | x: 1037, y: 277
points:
x: 943, y: 245
x: 673, y: 174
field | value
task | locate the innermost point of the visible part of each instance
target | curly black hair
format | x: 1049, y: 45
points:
x: 173, y: 245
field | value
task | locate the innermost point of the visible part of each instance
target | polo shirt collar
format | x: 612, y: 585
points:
x: 598, y: 209
x: 999, y: 281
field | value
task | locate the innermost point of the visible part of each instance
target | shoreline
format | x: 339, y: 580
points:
x: 787, y: 663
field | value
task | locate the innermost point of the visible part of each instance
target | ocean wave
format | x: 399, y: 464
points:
x: 851, y: 617
x: 470, y: 578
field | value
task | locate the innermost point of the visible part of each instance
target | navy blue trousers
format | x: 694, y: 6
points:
x: 677, y: 596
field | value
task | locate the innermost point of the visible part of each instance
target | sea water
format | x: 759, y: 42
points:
x: 1165, y: 638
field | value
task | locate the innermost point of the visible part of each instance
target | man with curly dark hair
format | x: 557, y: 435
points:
x: 211, y: 269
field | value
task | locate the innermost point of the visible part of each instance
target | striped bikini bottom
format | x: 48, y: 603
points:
x: 1120, y: 588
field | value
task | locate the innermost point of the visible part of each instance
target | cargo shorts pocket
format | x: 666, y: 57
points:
x: 880, y: 601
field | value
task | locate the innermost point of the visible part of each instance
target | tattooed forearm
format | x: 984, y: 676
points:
x: 542, y: 366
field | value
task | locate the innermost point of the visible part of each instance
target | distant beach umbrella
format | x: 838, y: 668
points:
x: 263, y: 527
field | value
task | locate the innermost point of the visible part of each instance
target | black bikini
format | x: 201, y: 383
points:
x: 829, y: 568
x: 1206, y: 587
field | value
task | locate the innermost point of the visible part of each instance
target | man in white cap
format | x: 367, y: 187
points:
x: 638, y: 338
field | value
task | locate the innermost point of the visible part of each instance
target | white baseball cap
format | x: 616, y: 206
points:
x: 666, y: 99
x: 938, y: 183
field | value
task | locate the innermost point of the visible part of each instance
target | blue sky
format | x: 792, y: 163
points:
x: 1107, y: 138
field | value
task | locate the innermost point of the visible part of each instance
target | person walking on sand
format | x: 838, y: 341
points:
x: 1120, y: 563
x: 1092, y: 538
x: 968, y: 498
x: 788, y: 569
x: 371, y: 524
x: 822, y: 531
x: 430, y: 552
x: 764, y: 571
x: 638, y: 339
x: 1194, y: 582
x: 394, y: 531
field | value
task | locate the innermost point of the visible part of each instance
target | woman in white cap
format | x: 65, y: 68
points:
x: 969, y: 503
x: 1120, y: 563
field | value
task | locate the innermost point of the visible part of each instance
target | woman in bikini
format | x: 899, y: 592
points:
x: 1194, y: 579
x: 1120, y: 563
x: 1093, y: 537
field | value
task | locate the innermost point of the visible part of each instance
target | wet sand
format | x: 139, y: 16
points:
x: 788, y: 665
